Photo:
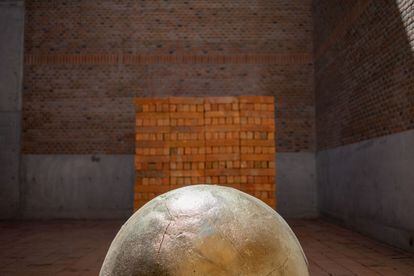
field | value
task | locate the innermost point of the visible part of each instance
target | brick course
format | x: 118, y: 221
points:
x: 87, y: 60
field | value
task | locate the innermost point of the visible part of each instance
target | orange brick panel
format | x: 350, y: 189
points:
x: 217, y: 140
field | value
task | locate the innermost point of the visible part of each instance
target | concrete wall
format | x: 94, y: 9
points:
x: 11, y: 60
x: 101, y: 186
x: 77, y: 186
x: 369, y: 186
x: 296, y: 185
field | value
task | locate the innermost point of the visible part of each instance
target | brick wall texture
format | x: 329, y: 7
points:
x: 364, y: 69
x: 214, y: 140
x: 85, y: 62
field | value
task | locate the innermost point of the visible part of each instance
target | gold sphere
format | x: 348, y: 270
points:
x: 205, y: 230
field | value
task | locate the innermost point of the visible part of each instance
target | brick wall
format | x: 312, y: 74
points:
x: 213, y: 140
x: 86, y: 61
x: 364, y: 69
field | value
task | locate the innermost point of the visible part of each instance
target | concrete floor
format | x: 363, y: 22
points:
x: 79, y: 247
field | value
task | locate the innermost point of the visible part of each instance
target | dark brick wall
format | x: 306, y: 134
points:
x: 364, y: 69
x: 86, y: 61
x: 327, y: 15
x: 198, y: 26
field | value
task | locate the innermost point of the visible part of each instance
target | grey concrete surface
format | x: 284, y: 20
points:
x: 77, y: 186
x: 11, y: 54
x: 87, y: 186
x: 296, y: 189
x: 369, y: 186
x: 9, y: 164
x: 11, y: 71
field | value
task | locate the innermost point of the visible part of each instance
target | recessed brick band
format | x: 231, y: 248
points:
x: 112, y: 59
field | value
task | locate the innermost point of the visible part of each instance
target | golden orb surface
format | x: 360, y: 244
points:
x: 205, y: 230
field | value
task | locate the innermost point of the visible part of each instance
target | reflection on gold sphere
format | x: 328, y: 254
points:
x: 205, y: 230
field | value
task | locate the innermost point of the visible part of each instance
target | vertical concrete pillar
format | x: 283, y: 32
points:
x: 11, y: 71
